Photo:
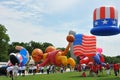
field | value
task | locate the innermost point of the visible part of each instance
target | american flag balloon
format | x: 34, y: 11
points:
x: 105, y: 21
x: 84, y: 44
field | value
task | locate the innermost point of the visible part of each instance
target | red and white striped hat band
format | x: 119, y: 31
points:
x: 104, y: 13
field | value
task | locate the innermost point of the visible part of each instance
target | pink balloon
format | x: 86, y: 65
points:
x: 99, y: 50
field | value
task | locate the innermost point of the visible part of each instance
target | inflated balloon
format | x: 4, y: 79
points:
x: 102, y: 58
x: 84, y: 47
x: 64, y: 60
x: 37, y: 54
x: 84, y: 44
x: 57, y: 57
x: 25, y: 56
x: 85, y: 60
x: 97, y: 58
x: 99, y: 50
x: 71, y: 61
x: 70, y: 38
x: 45, y: 56
x: 50, y: 49
x: 90, y: 54
x: 21, y: 57
x: 105, y: 21
x: 15, y: 58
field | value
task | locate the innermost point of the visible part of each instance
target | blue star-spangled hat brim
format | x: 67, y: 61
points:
x: 105, y: 31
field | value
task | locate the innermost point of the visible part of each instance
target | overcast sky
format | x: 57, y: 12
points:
x: 51, y: 20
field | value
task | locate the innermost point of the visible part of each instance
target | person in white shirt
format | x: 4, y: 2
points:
x: 9, y: 70
x: 48, y: 69
x: 15, y: 70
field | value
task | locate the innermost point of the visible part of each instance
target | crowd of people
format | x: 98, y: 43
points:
x: 16, y: 70
x: 96, y: 69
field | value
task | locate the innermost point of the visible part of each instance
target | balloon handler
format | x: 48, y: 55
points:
x: 54, y: 56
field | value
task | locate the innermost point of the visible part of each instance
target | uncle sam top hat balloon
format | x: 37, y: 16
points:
x: 105, y: 21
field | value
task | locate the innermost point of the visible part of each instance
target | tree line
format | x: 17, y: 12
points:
x: 6, y: 48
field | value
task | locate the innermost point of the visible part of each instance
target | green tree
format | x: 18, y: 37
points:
x: 4, y: 39
x: 12, y: 47
x: 30, y: 46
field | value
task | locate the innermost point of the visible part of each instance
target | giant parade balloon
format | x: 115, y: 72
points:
x: 37, y: 54
x: 22, y: 57
x: 105, y: 21
x: 84, y: 44
x: 55, y: 56
x: 25, y: 56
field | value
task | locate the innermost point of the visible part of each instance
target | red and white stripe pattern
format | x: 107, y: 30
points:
x: 88, y: 45
x: 19, y: 57
x: 105, y: 12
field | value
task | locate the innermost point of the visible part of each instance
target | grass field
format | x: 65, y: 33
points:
x: 64, y: 76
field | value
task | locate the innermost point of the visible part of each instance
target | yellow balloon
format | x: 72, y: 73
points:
x: 44, y: 56
x: 63, y: 60
x: 71, y: 61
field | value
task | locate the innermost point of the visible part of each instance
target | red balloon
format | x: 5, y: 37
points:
x: 84, y: 61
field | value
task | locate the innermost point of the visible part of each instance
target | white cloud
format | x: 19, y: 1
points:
x: 54, y: 6
x: 25, y: 32
x: 110, y: 44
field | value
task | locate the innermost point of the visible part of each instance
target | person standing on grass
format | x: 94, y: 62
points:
x: 79, y: 68
x: 91, y: 69
x: 9, y: 71
x: 53, y: 68
x: 62, y: 69
x: 107, y: 67
x: 100, y: 68
x: 34, y: 69
x: 94, y: 69
x: 42, y: 69
x: 116, y: 69
x: 19, y: 71
x: 15, y: 70
x: 83, y: 66
x: 23, y: 68
x: 48, y: 69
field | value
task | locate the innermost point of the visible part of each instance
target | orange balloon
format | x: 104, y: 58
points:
x: 50, y: 49
x: 70, y: 38
x: 45, y: 55
x: 37, y: 54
